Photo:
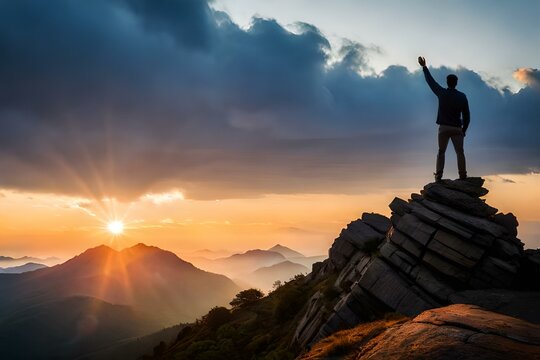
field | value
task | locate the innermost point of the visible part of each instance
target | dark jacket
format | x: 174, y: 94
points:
x: 452, y: 104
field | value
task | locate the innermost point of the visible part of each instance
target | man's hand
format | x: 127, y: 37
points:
x: 463, y: 131
x: 422, y: 61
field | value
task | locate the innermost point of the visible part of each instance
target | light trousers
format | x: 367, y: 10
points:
x: 455, y: 134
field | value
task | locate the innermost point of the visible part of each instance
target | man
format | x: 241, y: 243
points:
x: 453, y: 118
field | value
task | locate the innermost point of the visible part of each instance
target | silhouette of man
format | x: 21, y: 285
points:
x: 453, y: 118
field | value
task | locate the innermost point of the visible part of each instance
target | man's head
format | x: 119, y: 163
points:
x: 451, y: 81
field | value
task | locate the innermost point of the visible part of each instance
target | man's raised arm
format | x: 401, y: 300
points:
x: 435, y: 87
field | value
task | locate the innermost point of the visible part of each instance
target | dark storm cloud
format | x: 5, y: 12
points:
x: 123, y: 96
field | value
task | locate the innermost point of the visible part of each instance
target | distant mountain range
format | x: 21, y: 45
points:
x: 8, y: 261
x: 277, y: 263
x: 22, y: 268
x: 151, y: 288
x: 209, y: 254
x: 286, y: 252
x: 265, y: 277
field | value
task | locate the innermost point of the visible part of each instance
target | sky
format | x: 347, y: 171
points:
x: 448, y: 33
x: 241, y: 124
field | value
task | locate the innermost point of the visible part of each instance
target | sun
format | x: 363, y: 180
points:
x: 115, y: 227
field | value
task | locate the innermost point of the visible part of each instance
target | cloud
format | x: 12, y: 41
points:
x: 130, y: 97
x: 528, y: 76
x: 506, y: 180
x: 165, y: 197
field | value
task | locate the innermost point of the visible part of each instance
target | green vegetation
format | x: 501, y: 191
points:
x: 246, y: 298
x: 257, y: 327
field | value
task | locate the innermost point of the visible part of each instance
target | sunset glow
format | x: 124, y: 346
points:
x: 239, y: 179
x: 115, y: 227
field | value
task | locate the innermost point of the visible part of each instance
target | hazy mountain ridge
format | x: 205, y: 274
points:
x: 22, y: 268
x: 242, y: 267
x: 286, y: 252
x: 267, y: 276
x: 8, y: 261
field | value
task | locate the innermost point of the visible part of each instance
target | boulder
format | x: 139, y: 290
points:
x: 456, y: 332
x: 340, y: 252
x: 452, y: 272
x: 496, y: 272
x: 439, y: 220
x: 377, y: 221
x: 458, y: 200
x: 519, y: 304
x: 461, y: 252
x: 453, y: 332
x: 476, y: 223
x: 416, y: 229
x: 398, y: 258
x: 406, y: 243
x: 505, y: 249
x: 308, y: 327
x: 529, y: 270
x: 484, y: 321
x: 508, y: 221
x: 399, y: 206
x: 385, y: 284
x: 429, y: 282
x: 362, y: 233
x: 466, y: 186
x: 347, y: 276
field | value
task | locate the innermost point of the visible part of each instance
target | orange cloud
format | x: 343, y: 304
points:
x: 165, y: 197
x: 527, y: 76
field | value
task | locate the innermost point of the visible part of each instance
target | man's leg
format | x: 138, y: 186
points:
x: 443, y: 143
x: 457, y: 141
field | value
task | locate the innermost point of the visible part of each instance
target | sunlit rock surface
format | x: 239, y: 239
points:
x: 452, y: 332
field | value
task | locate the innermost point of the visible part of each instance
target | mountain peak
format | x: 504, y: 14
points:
x: 258, y: 253
x: 142, y: 246
x: 286, y: 252
x: 99, y: 250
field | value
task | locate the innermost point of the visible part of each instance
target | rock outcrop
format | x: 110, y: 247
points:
x: 436, y: 246
x: 452, y: 332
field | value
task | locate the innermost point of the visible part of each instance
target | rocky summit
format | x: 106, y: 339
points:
x: 445, y: 245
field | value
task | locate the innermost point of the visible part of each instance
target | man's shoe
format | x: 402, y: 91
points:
x: 463, y: 177
x: 438, y: 177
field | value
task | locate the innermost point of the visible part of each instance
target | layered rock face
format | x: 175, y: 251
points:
x: 436, y: 246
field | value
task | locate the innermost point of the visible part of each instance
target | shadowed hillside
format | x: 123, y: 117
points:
x: 154, y: 287
x: 69, y: 327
